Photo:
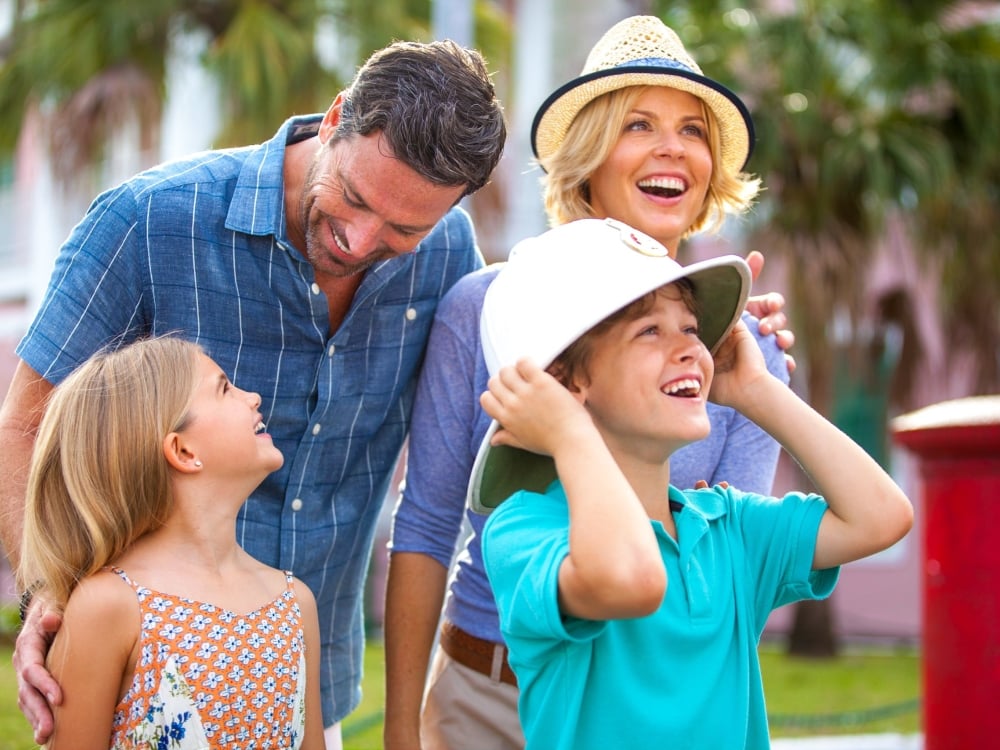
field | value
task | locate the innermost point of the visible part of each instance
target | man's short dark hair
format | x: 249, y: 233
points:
x: 436, y: 107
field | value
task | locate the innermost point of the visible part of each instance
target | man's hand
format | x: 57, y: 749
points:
x: 769, y: 309
x: 37, y: 691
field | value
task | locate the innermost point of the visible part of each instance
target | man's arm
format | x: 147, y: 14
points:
x: 20, y: 416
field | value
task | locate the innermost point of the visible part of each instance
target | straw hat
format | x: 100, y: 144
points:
x: 557, y: 286
x: 643, y: 51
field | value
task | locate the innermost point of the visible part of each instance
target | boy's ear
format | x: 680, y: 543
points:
x: 576, y: 386
x: 179, y: 455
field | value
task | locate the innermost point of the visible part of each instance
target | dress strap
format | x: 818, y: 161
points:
x: 121, y: 574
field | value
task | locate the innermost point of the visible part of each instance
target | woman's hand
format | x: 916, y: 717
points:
x: 769, y: 309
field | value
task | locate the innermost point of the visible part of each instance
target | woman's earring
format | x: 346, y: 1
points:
x: 197, y: 463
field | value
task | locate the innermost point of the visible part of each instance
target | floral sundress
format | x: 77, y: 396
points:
x: 208, y: 678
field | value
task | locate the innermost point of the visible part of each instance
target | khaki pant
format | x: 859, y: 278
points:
x: 465, y: 710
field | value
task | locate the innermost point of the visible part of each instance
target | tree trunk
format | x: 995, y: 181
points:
x: 812, y: 631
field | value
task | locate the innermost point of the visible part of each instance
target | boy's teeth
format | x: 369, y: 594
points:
x: 691, y: 385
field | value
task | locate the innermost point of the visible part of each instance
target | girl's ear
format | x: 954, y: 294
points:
x: 178, y: 455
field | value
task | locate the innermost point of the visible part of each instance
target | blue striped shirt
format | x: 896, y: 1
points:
x: 198, y: 247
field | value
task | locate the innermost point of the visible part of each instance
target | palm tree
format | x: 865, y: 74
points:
x: 865, y: 111
x: 90, y: 65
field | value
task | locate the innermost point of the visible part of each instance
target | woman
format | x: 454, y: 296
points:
x: 641, y: 136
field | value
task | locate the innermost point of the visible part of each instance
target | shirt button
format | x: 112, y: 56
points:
x: 411, y: 314
x: 315, y: 288
x: 297, y: 504
x: 316, y: 429
x: 331, y: 350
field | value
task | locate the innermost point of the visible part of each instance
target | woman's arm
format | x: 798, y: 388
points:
x: 428, y: 516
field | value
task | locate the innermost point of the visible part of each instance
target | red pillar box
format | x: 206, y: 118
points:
x: 958, y: 447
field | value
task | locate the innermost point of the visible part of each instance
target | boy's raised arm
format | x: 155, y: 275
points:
x: 868, y: 512
x: 613, y: 569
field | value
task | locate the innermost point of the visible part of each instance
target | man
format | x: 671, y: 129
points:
x: 309, y: 267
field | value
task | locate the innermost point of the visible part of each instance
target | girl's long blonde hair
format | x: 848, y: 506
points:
x: 99, y: 478
x: 589, y: 141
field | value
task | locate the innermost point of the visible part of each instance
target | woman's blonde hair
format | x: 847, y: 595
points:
x: 588, y: 143
x: 99, y: 478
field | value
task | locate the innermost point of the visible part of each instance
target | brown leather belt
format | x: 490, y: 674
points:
x: 481, y: 656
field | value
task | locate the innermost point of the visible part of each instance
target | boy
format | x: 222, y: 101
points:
x: 632, y: 609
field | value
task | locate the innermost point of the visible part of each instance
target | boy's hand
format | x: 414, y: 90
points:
x: 769, y: 308
x: 739, y: 364
x: 536, y: 411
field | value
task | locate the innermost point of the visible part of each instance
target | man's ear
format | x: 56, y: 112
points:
x: 331, y: 119
x: 179, y: 455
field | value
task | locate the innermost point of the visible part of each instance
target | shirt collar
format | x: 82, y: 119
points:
x: 707, y: 503
x: 258, y: 203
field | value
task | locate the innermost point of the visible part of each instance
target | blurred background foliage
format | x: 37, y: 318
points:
x: 867, y: 112
x: 89, y: 64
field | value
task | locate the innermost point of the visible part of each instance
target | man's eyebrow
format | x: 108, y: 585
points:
x: 352, y: 193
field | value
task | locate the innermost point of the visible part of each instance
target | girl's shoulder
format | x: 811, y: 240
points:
x: 103, y: 594
x: 101, y: 618
x: 305, y: 598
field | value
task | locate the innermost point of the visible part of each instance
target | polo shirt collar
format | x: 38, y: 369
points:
x: 708, y: 504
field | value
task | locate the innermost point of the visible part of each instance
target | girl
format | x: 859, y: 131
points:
x: 172, y: 635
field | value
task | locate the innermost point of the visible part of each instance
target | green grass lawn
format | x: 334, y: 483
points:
x: 860, y: 692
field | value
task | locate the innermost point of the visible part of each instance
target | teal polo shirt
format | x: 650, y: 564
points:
x: 686, y: 676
